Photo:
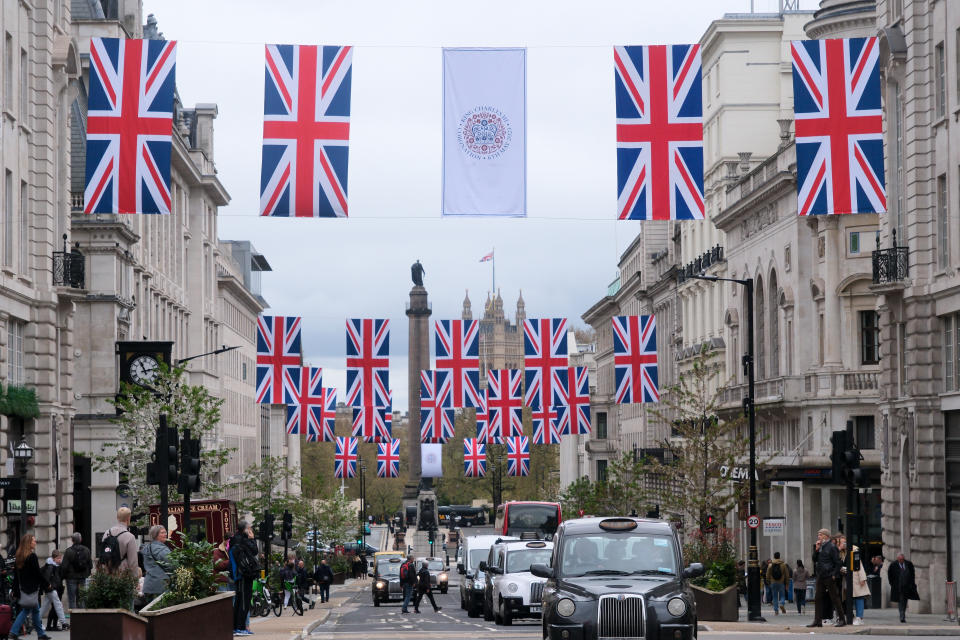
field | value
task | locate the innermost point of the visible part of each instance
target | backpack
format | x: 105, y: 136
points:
x: 246, y: 563
x: 404, y: 573
x: 776, y: 573
x: 110, y: 557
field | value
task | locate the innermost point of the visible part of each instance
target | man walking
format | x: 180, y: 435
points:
x: 423, y: 589
x: 75, y: 569
x: 408, y: 578
x: 120, y: 546
x: 903, y: 585
x: 323, y: 576
x: 827, y: 567
x: 777, y: 575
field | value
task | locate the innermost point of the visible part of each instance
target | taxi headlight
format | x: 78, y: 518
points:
x: 566, y: 607
x: 442, y: 577
x: 478, y: 584
x: 677, y: 607
x: 381, y: 585
x: 513, y: 587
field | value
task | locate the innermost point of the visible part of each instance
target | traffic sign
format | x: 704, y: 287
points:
x: 753, y: 522
x: 10, y: 483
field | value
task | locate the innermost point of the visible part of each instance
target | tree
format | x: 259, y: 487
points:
x: 186, y: 407
x: 267, y: 487
x: 579, y: 495
x: 702, y: 443
x: 336, y: 520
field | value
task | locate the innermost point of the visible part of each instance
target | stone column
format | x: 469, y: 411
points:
x: 833, y: 258
x: 418, y: 312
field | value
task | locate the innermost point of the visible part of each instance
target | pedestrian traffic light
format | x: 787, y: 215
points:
x: 286, y: 531
x: 838, y: 447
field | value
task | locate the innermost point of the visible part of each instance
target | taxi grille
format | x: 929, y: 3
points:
x: 394, y: 587
x: 536, y: 593
x: 620, y: 616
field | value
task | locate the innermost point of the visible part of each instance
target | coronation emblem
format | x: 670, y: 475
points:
x: 484, y: 133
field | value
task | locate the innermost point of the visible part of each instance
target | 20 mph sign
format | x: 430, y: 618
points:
x: 753, y: 522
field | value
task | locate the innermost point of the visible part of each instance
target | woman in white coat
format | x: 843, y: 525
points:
x: 860, y: 591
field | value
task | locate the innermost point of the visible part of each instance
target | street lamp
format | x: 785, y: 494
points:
x: 23, y: 453
x: 753, y: 565
x: 363, y: 501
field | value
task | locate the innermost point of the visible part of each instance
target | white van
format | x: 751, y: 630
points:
x: 475, y: 551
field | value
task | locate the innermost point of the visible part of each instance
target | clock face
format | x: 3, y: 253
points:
x: 143, y: 369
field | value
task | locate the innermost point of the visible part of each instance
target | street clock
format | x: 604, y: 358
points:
x: 140, y: 361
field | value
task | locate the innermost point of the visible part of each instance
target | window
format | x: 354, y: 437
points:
x: 601, y: 470
x: 952, y: 454
x: 774, y: 329
x: 869, y: 337
x: 957, y: 70
x: 943, y: 252
x: 8, y: 218
x: 601, y: 425
x: 15, y: 330
x: 941, y: 78
x: 24, y: 228
x: 8, y: 72
x: 760, y: 332
x: 24, y: 87
x: 898, y: 155
x: 864, y: 432
x: 896, y: 9
x: 949, y: 382
x: 854, y: 242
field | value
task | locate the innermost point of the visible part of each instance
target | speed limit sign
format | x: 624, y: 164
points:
x: 753, y: 522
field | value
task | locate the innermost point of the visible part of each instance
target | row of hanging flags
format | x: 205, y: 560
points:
x: 659, y: 129
x: 557, y: 394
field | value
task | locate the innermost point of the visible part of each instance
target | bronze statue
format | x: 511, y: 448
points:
x: 416, y: 273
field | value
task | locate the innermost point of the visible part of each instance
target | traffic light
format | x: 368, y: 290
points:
x: 709, y: 524
x: 430, y: 537
x: 164, y: 455
x: 854, y: 474
x: 286, y: 531
x: 838, y: 448
x: 189, y: 464
x: 266, y: 526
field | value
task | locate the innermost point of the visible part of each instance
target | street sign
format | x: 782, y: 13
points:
x: 773, y: 526
x: 9, y: 483
x: 753, y: 522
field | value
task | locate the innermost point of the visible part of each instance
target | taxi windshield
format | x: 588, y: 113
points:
x: 435, y: 565
x: 389, y: 569
x: 521, y: 559
x: 618, y: 554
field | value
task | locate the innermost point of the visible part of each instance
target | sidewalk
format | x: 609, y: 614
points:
x: 293, y: 627
x: 878, y: 622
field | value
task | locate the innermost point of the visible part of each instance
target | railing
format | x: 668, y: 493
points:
x: 890, y: 265
x: 68, y: 268
x: 76, y: 201
x: 841, y: 383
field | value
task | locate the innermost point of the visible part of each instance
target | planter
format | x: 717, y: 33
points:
x: 717, y: 606
x: 338, y: 578
x: 107, y: 623
x: 208, y: 618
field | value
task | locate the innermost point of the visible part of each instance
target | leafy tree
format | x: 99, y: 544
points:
x: 336, y: 520
x: 268, y: 487
x: 579, y: 495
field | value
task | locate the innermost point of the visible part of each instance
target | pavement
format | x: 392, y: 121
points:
x: 877, y: 622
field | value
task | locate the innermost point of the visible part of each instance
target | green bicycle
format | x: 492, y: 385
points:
x: 260, y: 601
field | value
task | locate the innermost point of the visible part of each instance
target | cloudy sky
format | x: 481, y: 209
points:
x: 562, y: 256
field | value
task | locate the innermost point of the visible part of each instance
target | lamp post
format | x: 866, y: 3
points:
x: 23, y: 453
x: 363, y: 501
x: 753, y: 565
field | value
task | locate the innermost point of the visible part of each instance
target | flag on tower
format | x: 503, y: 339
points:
x: 368, y: 362
x: 322, y: 426
x: 474, y: 458
x: 457, y: 353
x: 129, y: 125
x: 544, y: 356
x: 545, y: 425
x: 388, y: 459
x: 278, y: 359
x: 345, y: 458
x: 635, y: 359
x: 504, y: 403
x: 839, y: 126
x: 574, y: 411
x: 310, y: 396
x: 518, y: 456
x: 659, y: 132
x: 306, y: 131
x: 436, y: 423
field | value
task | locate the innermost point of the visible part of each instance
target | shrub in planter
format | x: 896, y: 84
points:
x: 715, y: 551
x: 109, y: 590
x: 193, y: 576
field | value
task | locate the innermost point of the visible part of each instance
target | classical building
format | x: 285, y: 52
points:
x: 39, y: 69
x: 501, y: 341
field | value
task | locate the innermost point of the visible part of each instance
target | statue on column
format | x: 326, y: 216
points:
x: 416, y: 273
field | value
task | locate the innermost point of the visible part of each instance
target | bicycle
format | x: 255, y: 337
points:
x: 260, y: 600
x: 288, y: 585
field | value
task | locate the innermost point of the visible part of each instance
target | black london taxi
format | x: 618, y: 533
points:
x: 617, y: 577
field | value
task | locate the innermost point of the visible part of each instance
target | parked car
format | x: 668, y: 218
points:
x: 474, y: 550
x: 511, y: 591
x: 367, y: 549
x: 617, y: 577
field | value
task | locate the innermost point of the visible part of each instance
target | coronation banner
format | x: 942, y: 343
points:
x: 484, y: 132
x: 431, y: 460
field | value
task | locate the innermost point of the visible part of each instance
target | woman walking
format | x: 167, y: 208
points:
x: 27, y: 582
x: 800, y: 576
x: 155, y: 552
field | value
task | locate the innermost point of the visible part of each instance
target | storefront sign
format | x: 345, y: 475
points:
x: 736, y: 473
x: 773, y: 526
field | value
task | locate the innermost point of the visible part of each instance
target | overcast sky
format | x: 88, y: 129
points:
x: 562, y: 256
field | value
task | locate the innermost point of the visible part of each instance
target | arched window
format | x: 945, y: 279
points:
x: 774, y: 327
x: 760, y: 315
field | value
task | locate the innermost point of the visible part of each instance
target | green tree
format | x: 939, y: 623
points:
x: 579, y: 495
x: 267, y: 487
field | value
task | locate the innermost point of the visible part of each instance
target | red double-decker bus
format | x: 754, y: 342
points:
x: 517, y: 517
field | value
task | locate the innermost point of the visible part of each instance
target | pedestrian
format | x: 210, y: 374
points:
x: 303, y: 583
x: 289, y: 576
x: 876, y: 567
x: 75, y: 569
x: 364, y: 566
x: 800, y: 576
x: 827, y: 567
x: 120, y: 546
x: 903, y: 584
x: 408, y: 579
x: 356, y: 565
x: 323, y: 576
x: 763, y: 579
x: 156, y: 568
x: 423, y: 589
x: 741, y: 581
x: 245, y: 567
x: 841, y: 541
x: 860, y: 589
x: 221, y: 567
x: 777, y: 575
x: 51, y: 597
x: 27, y: 584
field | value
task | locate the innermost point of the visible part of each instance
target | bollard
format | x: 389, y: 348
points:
x: 950, y: 593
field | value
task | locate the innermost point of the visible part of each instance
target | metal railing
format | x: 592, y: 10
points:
x: 68, y: 268
x: 890, y: 265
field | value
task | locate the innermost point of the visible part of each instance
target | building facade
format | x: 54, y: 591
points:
x: 501, y: 341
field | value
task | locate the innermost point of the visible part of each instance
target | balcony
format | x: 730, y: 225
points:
x: 849, y: 384
x: 68, y: 268
x: 766, y: 391
x: 600, y: 446
x: 890, y: 265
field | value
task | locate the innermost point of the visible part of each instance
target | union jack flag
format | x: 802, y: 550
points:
x: 345, y: 458
x: 306, y: 131
x: 278, y: 359
x: 635, y: 358
x: 368, y: 362
x: 659, y: 132
x: 321, y: 427
x: 518, y: 456
x: 544, y: 354
x: 388, y: 459
x: 371, y: 424
x: 310, y: 396
x: 129, y: 125
x: 474, y: 458
x: 574, y: 415
x: 457, y: 352
x: 483, y: 424
x: 436, y: 423
x: 545, y: 425
x: 504, y: 403
x: 839, y: 126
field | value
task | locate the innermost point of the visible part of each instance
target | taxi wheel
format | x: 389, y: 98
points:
x: 506, y: 618
x: 376, y: 601
x: 487, y: 612
x: 444, y: 590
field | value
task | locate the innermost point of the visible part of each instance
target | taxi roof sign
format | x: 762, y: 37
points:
x: 618, y: 524
x: 536, y: 545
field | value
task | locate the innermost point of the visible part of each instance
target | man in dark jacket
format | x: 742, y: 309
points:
x: 827, y: 565
x: 903, y: 584
x: 75, y: 569
x: 408, y: 580
x: 423, y: 589
x: 323, y: 576
x: 303, y: 583
x: 245, y: 567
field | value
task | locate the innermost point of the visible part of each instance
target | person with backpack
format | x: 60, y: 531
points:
x: 27, y: 584
x: 323, y: 576
x: 408, y: 579
x: 245, y: 567
x: 423, y: 589
x: 120, y: 548
x: 52, y: 605
x: 75, y: 569
x: 778, y: 574
x: 156, y: 569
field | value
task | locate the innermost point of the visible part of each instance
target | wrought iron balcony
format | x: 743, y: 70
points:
x: 892, y: 264
x: 68, y: 268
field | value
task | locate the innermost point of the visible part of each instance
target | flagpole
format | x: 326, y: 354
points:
x: 494, y: 271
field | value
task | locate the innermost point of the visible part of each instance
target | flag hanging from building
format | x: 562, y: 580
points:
x: 310, y: 396
x: 457, y: 353
x: 635, y: 359
x: 474, y: 458
x: 345, y: 458
x: 574, y: 410
x: 659, y: 132
x: 484, y: 132
x: 544, y: 356
x: 306, y: 131
x: 545, y: 425
x: 322, y: 426
x: 431, y: 460
x: 436, y: 422
x: 483, y: 424
x: 518, y: 456
x: 278, y: 359
x: 388, y: 459
x: 368, y: 362
x: 839, y: 126
x: 504, y: 403
x: 129, y: 125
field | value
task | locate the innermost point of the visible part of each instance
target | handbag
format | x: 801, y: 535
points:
x: 29, y: 600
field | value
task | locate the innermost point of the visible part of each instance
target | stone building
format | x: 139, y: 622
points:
x: 501, y: 341
x: 39, y: 69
